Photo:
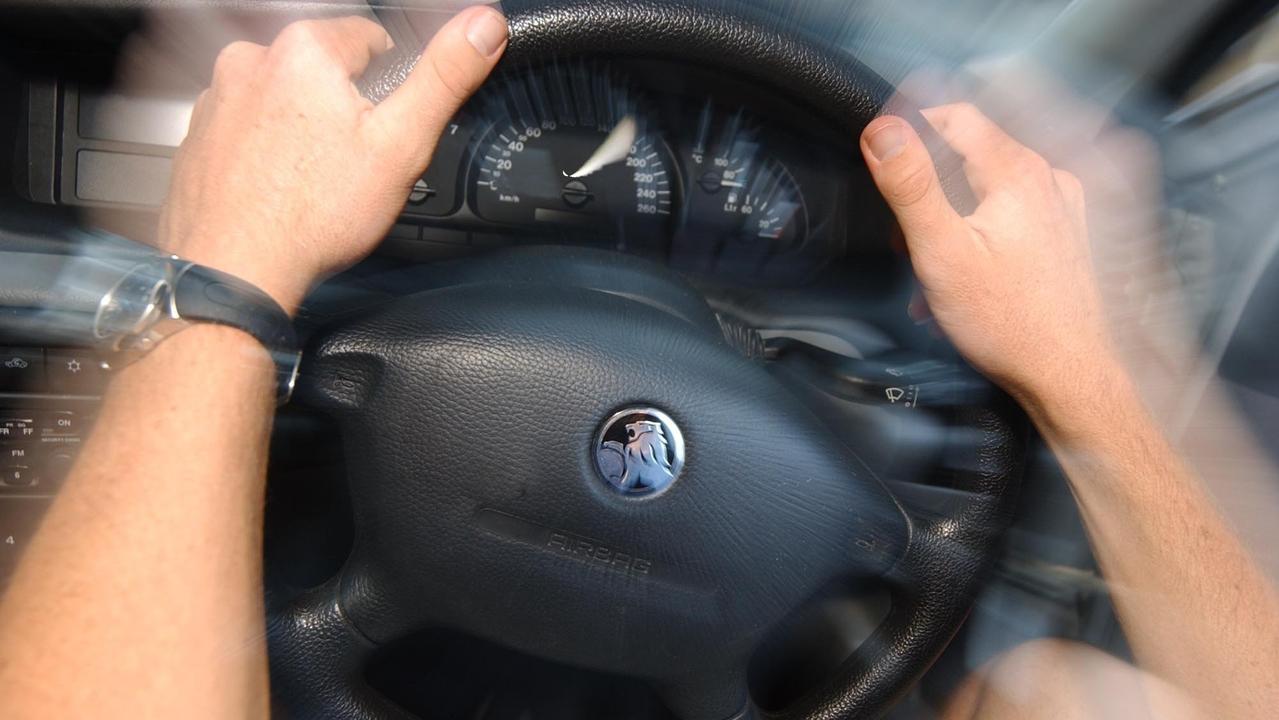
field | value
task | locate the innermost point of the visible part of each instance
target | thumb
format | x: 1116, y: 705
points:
x: 904, y: 173
x: 454, y: 64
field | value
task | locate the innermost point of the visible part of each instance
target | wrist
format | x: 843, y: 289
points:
x: 159, y: 297
x: 1086, y: 401
x: 207, y: 361
x: 287, y: 289
x: 286, y: 286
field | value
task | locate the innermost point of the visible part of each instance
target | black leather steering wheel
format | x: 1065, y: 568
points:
x: 470, y: 413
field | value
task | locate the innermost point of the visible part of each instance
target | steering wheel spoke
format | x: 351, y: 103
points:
x: 313, y: 632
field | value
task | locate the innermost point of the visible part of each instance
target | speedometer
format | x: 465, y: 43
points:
x: 572, y: 147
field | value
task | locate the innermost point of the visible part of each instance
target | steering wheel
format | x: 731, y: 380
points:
x: 557, y: 450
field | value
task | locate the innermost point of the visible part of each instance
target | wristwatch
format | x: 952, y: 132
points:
x: 161, y: 295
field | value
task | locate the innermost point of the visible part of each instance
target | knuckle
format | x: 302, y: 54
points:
x: 1032, y: 165
x: 912, y: 185
x: 231, y: 61
x: 451, y: 77
x: 300, y: 49
x: 360, y: 25
x: 303, y: 33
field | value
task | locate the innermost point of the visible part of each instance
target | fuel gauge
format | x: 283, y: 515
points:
x: 740, y: 192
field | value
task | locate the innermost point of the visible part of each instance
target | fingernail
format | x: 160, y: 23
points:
x: 887, y: 142
x: 487, y: 32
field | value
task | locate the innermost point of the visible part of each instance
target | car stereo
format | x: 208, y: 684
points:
x: 48, y: 400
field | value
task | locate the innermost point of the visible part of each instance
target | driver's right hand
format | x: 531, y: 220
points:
x: 288, y: 173
x: 1012, y: 284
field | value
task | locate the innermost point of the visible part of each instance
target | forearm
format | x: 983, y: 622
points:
x: 1196, y: 608
x: 141, y: 594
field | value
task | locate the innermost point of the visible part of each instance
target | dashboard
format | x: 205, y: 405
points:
x: 610, y: 154
x: 713, y: 176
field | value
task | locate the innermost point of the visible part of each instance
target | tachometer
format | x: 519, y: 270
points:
x: 572, y: 147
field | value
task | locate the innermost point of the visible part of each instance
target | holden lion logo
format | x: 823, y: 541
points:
x: 639, y: 451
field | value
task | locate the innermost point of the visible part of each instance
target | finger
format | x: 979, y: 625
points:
x: 237, y: 68
x: 921, y: 88
x: 904, y: 173
x: 991, y: 156
x: 350, y: 41
x: 454, y: 64
x: 1035, y: 107
x: 235, y: 62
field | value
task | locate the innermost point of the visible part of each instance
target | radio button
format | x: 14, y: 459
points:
x: 21, y: 369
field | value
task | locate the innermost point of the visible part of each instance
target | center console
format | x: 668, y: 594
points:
x: 48, y: 400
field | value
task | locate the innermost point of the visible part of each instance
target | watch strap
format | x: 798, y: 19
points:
x: 208, y: 295
x: 202, y: 294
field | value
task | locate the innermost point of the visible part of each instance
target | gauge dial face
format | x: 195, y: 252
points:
x: 572, y: 148
x: 741, y: 191
x: 757, y: 202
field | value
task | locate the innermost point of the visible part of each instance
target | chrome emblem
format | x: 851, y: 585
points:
x: 639, y: 451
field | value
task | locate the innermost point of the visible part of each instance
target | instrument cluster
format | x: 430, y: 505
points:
x: 590, y: 153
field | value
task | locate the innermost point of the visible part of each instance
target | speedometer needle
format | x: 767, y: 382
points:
x: 615, y: 148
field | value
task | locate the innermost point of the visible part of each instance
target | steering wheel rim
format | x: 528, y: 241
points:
x: 318, y: 652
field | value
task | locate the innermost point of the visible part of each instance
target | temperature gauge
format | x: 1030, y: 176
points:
x: 740, y: 192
